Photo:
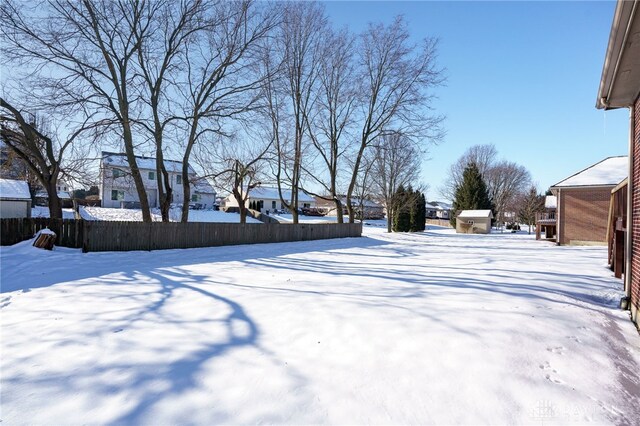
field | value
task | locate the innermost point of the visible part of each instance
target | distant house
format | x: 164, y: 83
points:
x: 474, y: 222
x: 268, y: 199
x: 438, y: 210
x: 63, y: 189
x: 372, y: 210
x: 15, y: 199
x: 546, y: 221
x: 117, y: 188
x: 620, y: 88
x: 583, y: 201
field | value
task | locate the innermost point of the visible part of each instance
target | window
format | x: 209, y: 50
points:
x: 117, y: 173
x: 117, y: 195
x: 195, y: 197
x: 179, y: 179
x: 273, y: 205
x: 152, y: 175
x: 306, y: 205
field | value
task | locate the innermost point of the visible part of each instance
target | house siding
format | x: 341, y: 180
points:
x: 635, y: 196
x: 127, y: 185
x: 583, y: 215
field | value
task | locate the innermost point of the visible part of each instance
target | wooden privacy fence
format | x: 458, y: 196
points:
x: 125, y: 236
x: 439, y: 222
x: 69, y: 231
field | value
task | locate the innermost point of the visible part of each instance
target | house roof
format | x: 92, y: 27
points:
x: 608, y: 172
x: 620, y: 80
x: 354, y: 201
x: 145, y: 163
x: 268, y: 193
x: 63, y: 195
x: 550, y: 202
x: 440, y: 205
x: 203, y: 186
x: 475, y: 213
x: 14, y: 189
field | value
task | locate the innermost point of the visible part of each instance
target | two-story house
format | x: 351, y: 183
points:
x: 117, y: 188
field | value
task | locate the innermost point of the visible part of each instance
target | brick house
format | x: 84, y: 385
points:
x: 620, y: 88
x: 583, y: 202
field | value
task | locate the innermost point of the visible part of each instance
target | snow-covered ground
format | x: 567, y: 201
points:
x: 40, y: 211
x: 420, y: 328
x: 134, y: 215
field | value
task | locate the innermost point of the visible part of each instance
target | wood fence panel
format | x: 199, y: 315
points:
x: 127, y: 236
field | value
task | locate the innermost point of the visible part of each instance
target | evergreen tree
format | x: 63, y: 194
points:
x: 423, y: 212
x: 417, y: 208
x: 472, y: 193
x: 402, y: 217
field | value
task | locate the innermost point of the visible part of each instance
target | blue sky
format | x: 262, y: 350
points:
x: 521, y: 75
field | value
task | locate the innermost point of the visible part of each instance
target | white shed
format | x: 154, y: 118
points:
x: 474, y: 222
x: 15, y: 199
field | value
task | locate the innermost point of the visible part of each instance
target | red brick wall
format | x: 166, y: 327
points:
x: 635, y: 196
x: 583, y: 214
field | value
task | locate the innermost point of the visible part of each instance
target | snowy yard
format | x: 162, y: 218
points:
x: 397, y: 329
x: 135, y: 215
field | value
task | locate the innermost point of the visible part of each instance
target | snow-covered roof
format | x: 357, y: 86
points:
x: 203, y: 186
x: 550, y: 202
x: 267, y: 193
x: 144, y: 163
x: 610, y: 171
x: 63, y: 195
x: 475, y: 213
x: 14, y: 189
x: 441, y: 205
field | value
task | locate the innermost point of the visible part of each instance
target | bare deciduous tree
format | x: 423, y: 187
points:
x: 293, y: 67
x: 332, y: 112
x: 484, y: 156
x: 222, y: 74
x: 505, y: 181
x: 90, y: 49
x: 527, y: 204
x: 175, y: 24
x: 396, y: 78
x: 39, y: 149
x: 237, y: 166
x: 396, y: 162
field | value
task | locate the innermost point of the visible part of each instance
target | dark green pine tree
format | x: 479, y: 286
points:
x: 417, y: 211
x: 423, y: 212
x: 472, y: 193
x: 402, y: 216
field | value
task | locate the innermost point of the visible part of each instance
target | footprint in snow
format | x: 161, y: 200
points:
x: 574, y: 338
x: 546, y: 366
x: 556, y: 350
x: 553, y: 379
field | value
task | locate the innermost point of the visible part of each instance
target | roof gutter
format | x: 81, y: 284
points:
x: 603, y: 101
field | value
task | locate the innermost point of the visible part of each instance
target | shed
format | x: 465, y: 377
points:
x: 474, y: 222
x: 15, y: 199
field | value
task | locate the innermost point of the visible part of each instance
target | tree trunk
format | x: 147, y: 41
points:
x: 163, y: 181
x: 135, y: 172
x: 55, y: 205
x: 339, y: 214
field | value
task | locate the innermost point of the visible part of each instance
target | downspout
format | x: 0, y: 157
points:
x: 558, y: 216
x: 628, y: 237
